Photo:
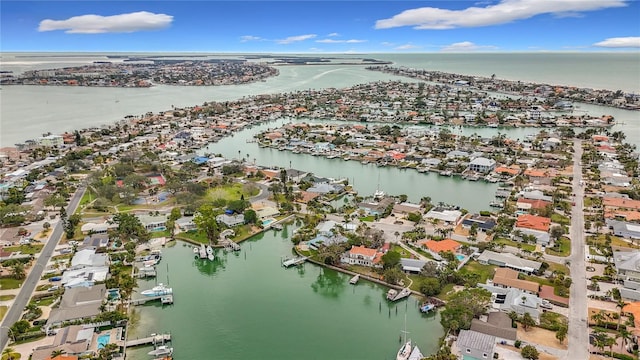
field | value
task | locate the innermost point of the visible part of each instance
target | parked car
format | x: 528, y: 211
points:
x: 53, y: 288
x: 55, y: 278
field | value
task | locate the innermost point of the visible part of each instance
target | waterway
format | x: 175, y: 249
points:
x: 245, y: 305
x: 366, y: 179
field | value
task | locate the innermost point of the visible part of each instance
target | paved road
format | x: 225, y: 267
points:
x: 29, y: 285
x: 578, y: 330
x: 262, y: 195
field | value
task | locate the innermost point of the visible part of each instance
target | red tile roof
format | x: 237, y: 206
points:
x: 533, y: 222
x: 364, y: 251
x: 440, y: 246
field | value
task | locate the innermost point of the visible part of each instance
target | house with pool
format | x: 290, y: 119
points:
x: 81, y: 341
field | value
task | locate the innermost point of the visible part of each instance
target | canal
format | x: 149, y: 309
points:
x: 245, y: 305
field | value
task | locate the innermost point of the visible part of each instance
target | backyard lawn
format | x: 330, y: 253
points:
x: 474, y: 267
x: 601, y: 239
x: 25, y: 249
x: 10, y: 283
x: 563, y: 248
x: 507, y: 242
x: 232, y: 192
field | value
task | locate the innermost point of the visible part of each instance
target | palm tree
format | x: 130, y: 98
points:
x: 625, y: 335
x: 620, y: 304
x: 9, y: 353
x: 57, y: 352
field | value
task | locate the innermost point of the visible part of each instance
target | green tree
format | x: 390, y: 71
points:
x: 390, y: 259
x: 430, y: 286
x: 9, y: 354
x: 250, y: 216
x: 527, y: 321
x: 463, y: 306
x: 530, y: 352
x: 205, y: 220
x: 393, y: 275
x: 17, y: 271
x: 561, y: 333
x: 20, y: 326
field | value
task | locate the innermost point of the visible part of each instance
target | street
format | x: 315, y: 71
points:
x: 29, y: 285
x: 578, y: 323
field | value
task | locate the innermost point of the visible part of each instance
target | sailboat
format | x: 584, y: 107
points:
x: 405, y: 350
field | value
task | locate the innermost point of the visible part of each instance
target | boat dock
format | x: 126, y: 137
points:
x: 146, y: 272
x: 164, y: 299
x: 354, y: 280
x: 293, y: 261
x: 154, y: 339
x: 202, y: 252
x: 394, y: 295
x: 230, y: 245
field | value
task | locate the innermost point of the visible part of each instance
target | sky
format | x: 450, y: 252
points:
x: 330, y: 26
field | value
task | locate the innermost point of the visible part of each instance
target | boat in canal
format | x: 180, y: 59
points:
x: 405, y: 350
x: 158, y: 290
x: 427, y: 307
x: 161, y: 350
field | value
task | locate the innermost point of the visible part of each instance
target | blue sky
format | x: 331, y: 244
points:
x: 321, y: 26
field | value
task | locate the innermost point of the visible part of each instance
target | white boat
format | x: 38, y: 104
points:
x: 211, y: 257
x: 195, y: 250
x: 209, y: 250
x: 405, y: 351
x: 158, y: 290
x: 161, y: 350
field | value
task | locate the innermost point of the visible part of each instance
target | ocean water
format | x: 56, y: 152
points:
x: 27, y: 112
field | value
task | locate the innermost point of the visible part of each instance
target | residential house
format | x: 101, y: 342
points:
x: 531, y: 204
x: 437, y: 247
x: 539, y: 176
x: 97, y: 228
x: 325, y: 188
x: 230, y: 220
x: 508, y: 278
x: 498, y: 324
x: 535, y: 195
x: 484, y: 223
x: 186, y: 223
x: 508, y: 260
x: 482, y: 165
x: 624, y: 229
x: 376, y: 207
x: 475, y: 346
x: 87, y: 257
x: 406, y: 208
x: 541, y: 237
x: 153, y: 222
x: 626, y: 263
x: 448, y: 216
x: 78, y: 303
x: 512, y: 299
x: 360, y: 255
x: 412, y: 265
x: 532, y: 222
x: 95, y: 241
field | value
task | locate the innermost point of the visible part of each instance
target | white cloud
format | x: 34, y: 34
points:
x: 297, y: 38
x: 334, y: 41
x: 333, y: 34
x: 97, y: 24
x: 620, y: 42
x: 246, y: 38
x: 465, y: 46
x: 386, y: 43
x: 504, y: 12
x: 407, y: 47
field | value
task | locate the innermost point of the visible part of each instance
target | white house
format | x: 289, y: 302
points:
x: 482, y: 165
x: 231, y: 220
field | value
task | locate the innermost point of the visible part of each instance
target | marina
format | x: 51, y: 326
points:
x: 280, y: 327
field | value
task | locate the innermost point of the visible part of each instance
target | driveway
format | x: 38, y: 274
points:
x: 578, y: 329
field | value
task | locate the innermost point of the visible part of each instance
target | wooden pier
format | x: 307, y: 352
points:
x: 394, y: 295
x: 154, y: 339
x: 165, y: 299
x: 293, y: 261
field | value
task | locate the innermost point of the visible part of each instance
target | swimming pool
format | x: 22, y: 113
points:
x: 267, y: 222
x: 460, y: 257
x: 103, y: 340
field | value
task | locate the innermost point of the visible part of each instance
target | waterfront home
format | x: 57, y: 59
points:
x: 186, y: 223
x: 230, y: 220
x: 512, y: 299
x: 508, y: 278
x: 406, y: 208
x: 153, y: 222
x: 86, y: 276
x: 265, y: 212
x: 360, y: 255
x: 78, y: 303
x: 535, y: 195
x: 531, y: 204
x: 451, y: 217
x: 484, y: 223
x: 376, y: 207
x: 498, y: 324
x: 509, y: 260
x: 626, y: 263
x: 325, y: 188
x: 326, y: 240
x: 624, y: 229
x: 73, y: 340
x: 413, y: 266
x: 541, y: 237
x: 482, y: 165
x: 512, y: 170
x: 87, y: 257
x: 475, y: 346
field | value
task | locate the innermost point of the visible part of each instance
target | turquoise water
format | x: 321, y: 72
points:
x: 103, y: 340
x: 460, y: 257
x: 267, y: 222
